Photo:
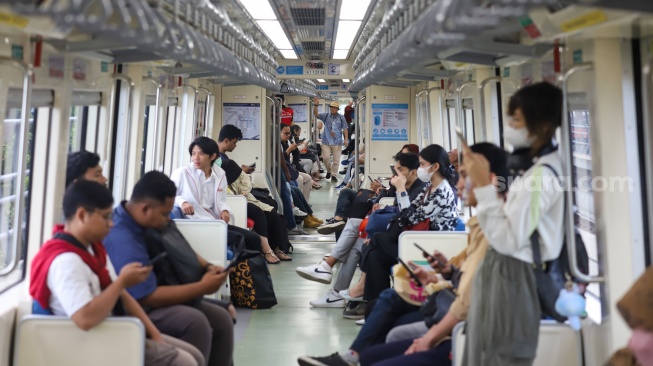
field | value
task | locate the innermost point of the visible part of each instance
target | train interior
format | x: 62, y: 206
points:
x: 136, y: 81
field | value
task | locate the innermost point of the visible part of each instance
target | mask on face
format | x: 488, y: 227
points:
x: 641, y: 343
x: 518, y: 137
x: 424, y: 175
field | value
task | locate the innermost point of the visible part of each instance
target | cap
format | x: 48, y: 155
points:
x: 334, y: 104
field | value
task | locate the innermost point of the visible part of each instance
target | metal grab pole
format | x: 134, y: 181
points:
x: 481, y: 102
x: 127, y: 132
x: 429, y: 129
x: 274, y: 149
x: 567, y: 168
x: 276, y: 121
x: 206, y: 108
x: 195, y: 104
x: 19, y: 200
x: 418, y: 110
x: 357, y: 128
x: 157, y: 106
x: 461, y: 114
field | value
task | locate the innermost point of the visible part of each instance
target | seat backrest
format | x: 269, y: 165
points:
x: 558, y: 345
x: 207, y: 237
x: 449, y: 243
x: 238, y: 206
x: 47, y: 340
x: 259, y: 181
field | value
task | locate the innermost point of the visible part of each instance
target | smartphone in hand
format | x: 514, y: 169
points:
x: 410, y: 271
x: 393, y: 170
x: 157, y: 258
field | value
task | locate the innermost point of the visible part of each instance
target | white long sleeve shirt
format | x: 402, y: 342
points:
x: 508, y: 225
x: 207, y: 195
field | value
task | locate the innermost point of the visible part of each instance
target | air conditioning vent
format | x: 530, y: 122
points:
x: 313, y: 46
x: 308, y: 17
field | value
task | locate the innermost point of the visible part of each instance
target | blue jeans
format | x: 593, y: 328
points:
x: 388, y: 308
x: 392, y: 354
x: 284, y: 192
x: 345, y: 200
x: 300, y: 200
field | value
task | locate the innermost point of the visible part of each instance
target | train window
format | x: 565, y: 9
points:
x: 12, y: 255
x: 584, y: 184
x: 149, y: 110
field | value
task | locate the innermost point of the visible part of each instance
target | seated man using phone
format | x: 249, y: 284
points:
x: 173, y: 308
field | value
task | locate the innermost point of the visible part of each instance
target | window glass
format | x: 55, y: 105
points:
x: 11, y: 252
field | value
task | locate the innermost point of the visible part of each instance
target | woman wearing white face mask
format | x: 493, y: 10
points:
x: 503, y: 330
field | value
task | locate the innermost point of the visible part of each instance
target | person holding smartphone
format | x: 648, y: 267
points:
x: 335, y: 126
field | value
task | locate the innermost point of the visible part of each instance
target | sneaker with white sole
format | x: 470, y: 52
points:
x: 360, y: 321
x: 330, y: 300
x: 296, y: 231
x: 327, y: 229
x: 299, y: 213
x: 333, y: 360
x: 346, y: 296
x: 356, y: 313
x: 320, y: 272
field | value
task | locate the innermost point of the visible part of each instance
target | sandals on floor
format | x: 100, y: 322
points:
x: 265, y: 256
x: 282, y: 256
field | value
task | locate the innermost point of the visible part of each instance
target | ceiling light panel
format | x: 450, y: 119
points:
x: 347, y: 30
x: 340, y: 54
x: 259, y: 9
x: 273, y: 30
x: 289, y: 54
x: 345, y: 80
x: 321, y: 80
x: 354, y: 9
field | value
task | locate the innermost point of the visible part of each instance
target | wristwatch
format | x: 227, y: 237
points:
x: 404, y: 194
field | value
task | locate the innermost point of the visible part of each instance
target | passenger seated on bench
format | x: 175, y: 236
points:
x: 415, y: 344
x: 84, y: 165
x: 207, y: 326
x: 349, y: 246
x: 72, y: 276
x: 435, y: 203
x: 267, y: 221
x: 202, y: 194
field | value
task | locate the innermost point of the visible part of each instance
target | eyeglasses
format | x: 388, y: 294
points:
x: 285, y: 133
x: 107, y: 217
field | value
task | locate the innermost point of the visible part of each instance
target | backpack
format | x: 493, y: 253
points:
x: 555, y: 275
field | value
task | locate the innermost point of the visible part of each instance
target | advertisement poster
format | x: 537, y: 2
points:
x: 301, y: 112
x: 246, y: 116
x: 390, y: 122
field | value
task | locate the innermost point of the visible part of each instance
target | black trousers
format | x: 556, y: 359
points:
x: 377, y: 260
x: 270, y: 225
x: 252, y: 240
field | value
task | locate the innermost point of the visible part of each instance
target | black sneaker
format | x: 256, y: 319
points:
x: 333, y: 360
x: 356, y: 313
x: 328, y: 176
x: 330, y: 227
x: 342, y: 172
x: 334, y: 179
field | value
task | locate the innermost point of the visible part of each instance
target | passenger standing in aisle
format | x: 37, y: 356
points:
x: 335, y: 126
x: 503, y: 330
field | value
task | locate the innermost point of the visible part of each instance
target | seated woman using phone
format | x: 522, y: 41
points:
x: 306, y: 158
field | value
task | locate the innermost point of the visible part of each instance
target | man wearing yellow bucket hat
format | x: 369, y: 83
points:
x: 335, y: 126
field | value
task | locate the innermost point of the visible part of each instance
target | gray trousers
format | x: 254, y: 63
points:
x: 210, y: 329
x: 172, y: 352
x: 347, y: 250
x: 407, y: 331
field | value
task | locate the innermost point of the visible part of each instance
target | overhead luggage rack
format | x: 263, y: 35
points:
x: 471, y: 31
x: 196, y: 33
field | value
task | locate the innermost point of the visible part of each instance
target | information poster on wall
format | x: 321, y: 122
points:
x: 300, y: 112
x: 246, y: 116
x: 390, y: 122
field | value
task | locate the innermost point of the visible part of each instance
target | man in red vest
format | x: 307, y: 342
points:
x: 287, y: 115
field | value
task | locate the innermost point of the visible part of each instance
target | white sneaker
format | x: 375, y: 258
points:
x: 360, y: 321
x: 345, y: 295
x: 299, y: 213
x: 320, y: 272
x: 330, y: 300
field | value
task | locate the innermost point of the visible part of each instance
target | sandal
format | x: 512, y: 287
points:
x: 271, y: 253
x: 282, y: 256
